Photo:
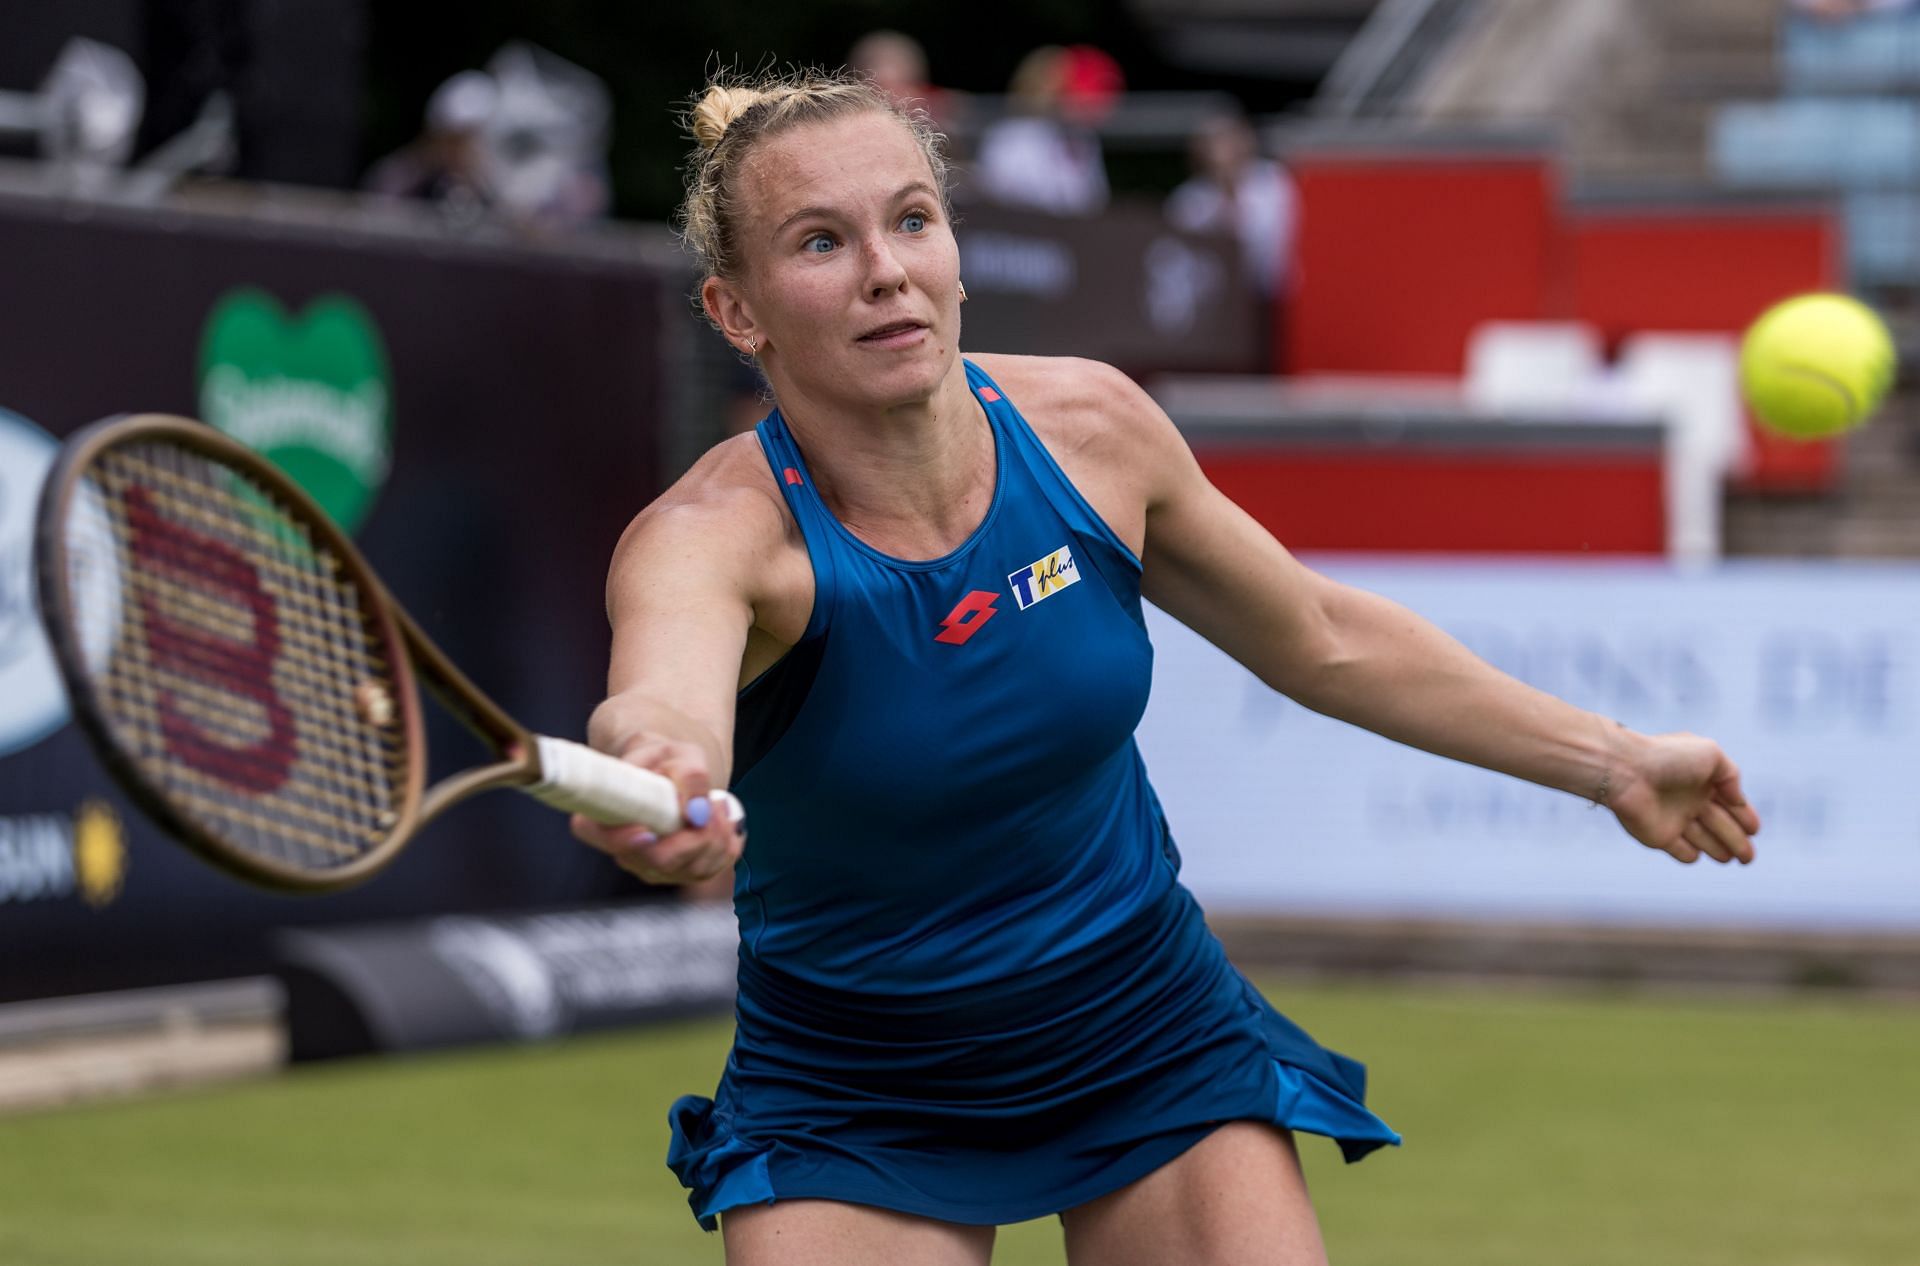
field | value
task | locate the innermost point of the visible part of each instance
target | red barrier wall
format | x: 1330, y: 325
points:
x: 1399, y: 255
x: 1704, y: 269
x: 1564, y: 501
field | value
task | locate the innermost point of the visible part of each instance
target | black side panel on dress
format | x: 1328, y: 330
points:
x: 769, y: 704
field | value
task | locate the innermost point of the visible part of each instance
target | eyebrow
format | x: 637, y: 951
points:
x: 828, y: 213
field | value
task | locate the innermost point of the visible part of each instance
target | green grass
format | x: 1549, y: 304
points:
x: 1542, y: 1128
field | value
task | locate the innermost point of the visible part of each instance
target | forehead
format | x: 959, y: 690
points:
x: 834, y: 162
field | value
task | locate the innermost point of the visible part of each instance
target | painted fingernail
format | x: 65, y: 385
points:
x: 699, y: 811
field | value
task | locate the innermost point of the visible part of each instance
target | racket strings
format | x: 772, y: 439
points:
x: 317, y: 638
x: 287, y: 581
x: 294, y: 797
x: 301, y: 681
x: 245, y: 677
x: 335, y: 772
x: 242, y: 727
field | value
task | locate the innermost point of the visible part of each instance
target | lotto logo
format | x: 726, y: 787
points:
x: 966, y: 618
x: 1045, y: 578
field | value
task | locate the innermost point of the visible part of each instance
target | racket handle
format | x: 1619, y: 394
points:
x: 578, y: 779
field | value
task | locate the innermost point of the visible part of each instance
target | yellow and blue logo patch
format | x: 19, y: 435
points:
x: 1045, y: 578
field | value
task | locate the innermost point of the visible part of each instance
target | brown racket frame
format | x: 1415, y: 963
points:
x: 405, y: 643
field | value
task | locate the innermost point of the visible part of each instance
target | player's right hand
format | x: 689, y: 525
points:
x: 706, y: 846
x: 1680, y: 794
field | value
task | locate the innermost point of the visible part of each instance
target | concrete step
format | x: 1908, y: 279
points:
x: 59, y: 1051
x: 1717, y: 74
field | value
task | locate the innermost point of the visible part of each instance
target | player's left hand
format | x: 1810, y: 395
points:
x: 1680, y: 793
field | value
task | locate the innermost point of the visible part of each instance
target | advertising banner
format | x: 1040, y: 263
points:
x: 1808, y: 674
x: 484, y: 416
x: 458, y: 979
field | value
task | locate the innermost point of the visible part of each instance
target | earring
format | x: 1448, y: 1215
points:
x: 753, y: 347
x: 963, y: 292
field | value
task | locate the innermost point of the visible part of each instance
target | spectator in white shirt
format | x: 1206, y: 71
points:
x: 1044, y: 154
x: 1234, y: 190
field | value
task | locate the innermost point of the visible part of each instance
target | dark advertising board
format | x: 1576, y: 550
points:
x: 1124, y: 287
x: 459, y: 979
x: 483, y: 415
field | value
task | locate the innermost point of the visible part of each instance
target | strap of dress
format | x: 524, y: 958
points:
x: 803, y: 502
x: 1059, y: 491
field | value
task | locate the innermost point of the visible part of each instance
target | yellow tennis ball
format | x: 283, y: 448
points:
x: 1816, y: 365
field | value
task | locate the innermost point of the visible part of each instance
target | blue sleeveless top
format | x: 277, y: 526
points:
x: 971, y: 987
x: 941, y: 777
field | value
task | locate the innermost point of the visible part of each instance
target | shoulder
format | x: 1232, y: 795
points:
x: 1077, y: 405
x: 1115, y: 444
x: 1067, y: 386
x: 725, y: 518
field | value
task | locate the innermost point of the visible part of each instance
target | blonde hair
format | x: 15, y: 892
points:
x: 732, y: 116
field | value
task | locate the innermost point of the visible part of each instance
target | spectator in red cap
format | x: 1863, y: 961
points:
x: 1045, y: 154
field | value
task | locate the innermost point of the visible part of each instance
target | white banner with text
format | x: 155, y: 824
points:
x: 1808, y: 674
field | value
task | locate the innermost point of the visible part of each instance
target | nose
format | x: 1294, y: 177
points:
x: 885, y: 272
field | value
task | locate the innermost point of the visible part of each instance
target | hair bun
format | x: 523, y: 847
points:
x: 717, y: 109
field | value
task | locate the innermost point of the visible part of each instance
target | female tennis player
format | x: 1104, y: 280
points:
x: 902, y: 619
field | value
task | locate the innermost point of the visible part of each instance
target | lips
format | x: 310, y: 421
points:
x: 892, y: 328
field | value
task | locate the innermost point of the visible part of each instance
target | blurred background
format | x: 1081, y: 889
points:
x: 1447, y: 293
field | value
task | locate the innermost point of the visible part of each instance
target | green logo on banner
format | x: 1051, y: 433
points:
x: 309, y: 392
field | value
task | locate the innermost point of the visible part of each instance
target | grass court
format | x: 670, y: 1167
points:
x: 1571, y: 1128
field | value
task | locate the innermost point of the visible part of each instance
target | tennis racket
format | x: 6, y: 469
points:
x: 246, y: 678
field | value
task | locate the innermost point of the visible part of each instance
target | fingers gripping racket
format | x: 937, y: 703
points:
x: 244, y: 675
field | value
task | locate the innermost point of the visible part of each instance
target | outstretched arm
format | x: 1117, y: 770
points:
x: 1367, y: 660
x: 678, y: 599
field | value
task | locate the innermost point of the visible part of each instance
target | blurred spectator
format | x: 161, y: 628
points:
x: 444, y: 164
x: 87, y: 112
x: 523, y: 141
x: 898, y: 65
x: 545, y: 147
x: 1044, y: 154
x: 1234, y: 190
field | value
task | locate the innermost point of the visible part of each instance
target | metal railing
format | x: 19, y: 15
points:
x: 1398, y: 40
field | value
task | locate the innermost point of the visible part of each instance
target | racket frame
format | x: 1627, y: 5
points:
x: 406, y: 645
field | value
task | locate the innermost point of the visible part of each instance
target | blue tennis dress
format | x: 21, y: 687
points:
x: 971, y: 985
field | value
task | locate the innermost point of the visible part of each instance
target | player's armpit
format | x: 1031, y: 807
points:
x: 1213, y: 567
x: 1206, y: 562
x: 681, y: 597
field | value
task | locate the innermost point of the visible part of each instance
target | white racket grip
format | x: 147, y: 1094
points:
x: 577, y: 779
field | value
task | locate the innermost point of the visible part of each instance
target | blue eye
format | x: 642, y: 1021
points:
x: 815, y: 244
x: 913, y: 222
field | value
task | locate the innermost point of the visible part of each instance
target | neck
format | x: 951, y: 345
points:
x: 912, y: 479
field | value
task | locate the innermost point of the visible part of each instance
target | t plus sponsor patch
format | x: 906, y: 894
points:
x: 1045, y: 578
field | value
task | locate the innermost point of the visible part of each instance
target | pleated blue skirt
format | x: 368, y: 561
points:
x: 998, y: 1104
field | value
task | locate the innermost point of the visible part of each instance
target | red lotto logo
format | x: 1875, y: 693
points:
x: 965, y: 619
